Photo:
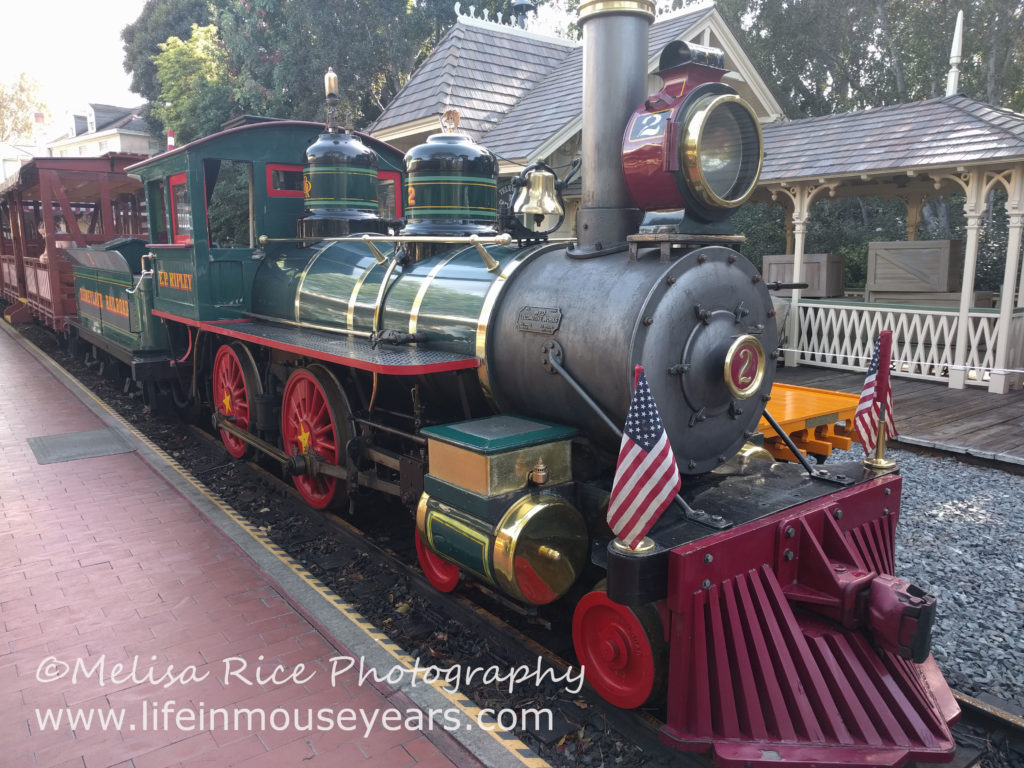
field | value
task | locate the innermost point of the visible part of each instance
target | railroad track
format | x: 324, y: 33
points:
x: 517, y: 647
x: 988, y: 734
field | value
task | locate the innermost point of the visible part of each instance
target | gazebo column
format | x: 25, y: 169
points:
x: 914, y: 205
x: 801, y: 195
x: 792, y: 353
x: 974, y: 208
x: 1008, y: 351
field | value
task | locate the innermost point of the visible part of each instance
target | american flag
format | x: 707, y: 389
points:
x: 877, y: 390
x: 646, y: 478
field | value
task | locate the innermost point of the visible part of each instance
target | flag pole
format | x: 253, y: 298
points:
x: 878, y: 461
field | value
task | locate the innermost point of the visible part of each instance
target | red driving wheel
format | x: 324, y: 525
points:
x: 315, y: 418
x: 621, y: 648
x: 235, y: 382
x: 444, y: 576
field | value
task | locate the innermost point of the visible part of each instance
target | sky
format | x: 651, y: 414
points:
x: 71, y: 48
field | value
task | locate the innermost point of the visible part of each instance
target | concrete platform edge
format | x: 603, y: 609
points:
x: 339, y: 623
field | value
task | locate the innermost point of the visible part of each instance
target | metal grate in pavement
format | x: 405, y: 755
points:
x: 54, y: 449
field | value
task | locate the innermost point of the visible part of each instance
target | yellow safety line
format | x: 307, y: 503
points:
x: 507, y: 740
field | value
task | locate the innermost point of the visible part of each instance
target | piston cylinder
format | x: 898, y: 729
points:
x: 534, y: 553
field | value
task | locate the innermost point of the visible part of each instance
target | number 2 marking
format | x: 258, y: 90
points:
x: 650, y: 125
x: 746, y: 362
x: 412, y: 197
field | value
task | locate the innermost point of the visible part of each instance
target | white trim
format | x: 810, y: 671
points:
x: 472, y: 21
x: 404, y: 130
x: 736, y: 61
x: 90, y: 138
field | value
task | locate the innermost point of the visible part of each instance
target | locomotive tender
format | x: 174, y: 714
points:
x: 483, y: 376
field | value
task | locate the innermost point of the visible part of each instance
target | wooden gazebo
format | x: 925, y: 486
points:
x: 911, y: 152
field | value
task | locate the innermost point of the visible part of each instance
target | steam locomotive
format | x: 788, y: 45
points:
x: 374, y: 321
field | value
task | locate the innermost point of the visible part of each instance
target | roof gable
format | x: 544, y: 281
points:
x: 553, y: 111
x: 923, y: 134
x: 482, y: 69
x: 106, y: 115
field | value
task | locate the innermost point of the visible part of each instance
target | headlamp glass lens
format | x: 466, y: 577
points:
x: 722, y: 146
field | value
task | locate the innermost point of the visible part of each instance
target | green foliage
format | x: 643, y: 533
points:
x: 821, y: 57
x: 195, y: 91
x: 159, y: 20
x: 19, y: 101
x: 228, y: 206
x: 763, y: 224
x: 847, y: 225
x: 278, y: 51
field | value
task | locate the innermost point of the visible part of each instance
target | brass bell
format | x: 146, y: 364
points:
x: 538, y: 196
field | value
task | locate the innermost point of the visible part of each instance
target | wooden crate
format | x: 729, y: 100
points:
x: 823, y: 273
x: 919, y: 266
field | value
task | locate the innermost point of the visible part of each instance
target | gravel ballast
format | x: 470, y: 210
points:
x: 960, y: 535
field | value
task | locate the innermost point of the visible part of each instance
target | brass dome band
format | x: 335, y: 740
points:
x: 693, y: 142
x: 591, y: 8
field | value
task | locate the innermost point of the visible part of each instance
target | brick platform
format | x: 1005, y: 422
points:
x: 102, y: 560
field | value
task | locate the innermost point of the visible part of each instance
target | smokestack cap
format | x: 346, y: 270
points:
x: 591, y: 8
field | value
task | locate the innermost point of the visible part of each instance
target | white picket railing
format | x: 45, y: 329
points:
x: 837, y: 334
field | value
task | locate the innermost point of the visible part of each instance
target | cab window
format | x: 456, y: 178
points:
x: 181, y: 210
x: 229, y: 203
x: 284, y: 180
x: 389, y: 201
x: 157, y: 212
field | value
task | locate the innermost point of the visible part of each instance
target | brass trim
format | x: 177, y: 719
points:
x: 878, y: 460
x: 380, y: 257
x: 350, y: 313
x: 421, y: 294
x: 487, y: 309
x: 489, y: 261
x: 509, y: 532
x: 502, y: 239
x: 302, y: 280
x: 591, y: 8
x: 646, y: 545
x: 378, y: 307
x: 421, y: 515
x: 734, y: 349
x: 693, y: 132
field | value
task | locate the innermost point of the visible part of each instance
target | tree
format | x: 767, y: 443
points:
x: 159, y: 20
x: 195, y: 93
x: 19, y: 103
x: 821, y: 57
x: 279, y: 49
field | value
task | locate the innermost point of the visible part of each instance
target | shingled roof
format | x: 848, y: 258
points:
x: 481, y: 69
x: 925, y: 134
x: 556, y: 104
